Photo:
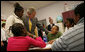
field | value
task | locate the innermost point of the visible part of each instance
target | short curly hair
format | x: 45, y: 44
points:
x: 17, y: 29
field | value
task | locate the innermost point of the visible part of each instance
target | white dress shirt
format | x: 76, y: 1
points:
x: 51, y: 25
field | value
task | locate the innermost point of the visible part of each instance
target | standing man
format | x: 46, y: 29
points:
x: 51, y: 24
x: 30, y: 21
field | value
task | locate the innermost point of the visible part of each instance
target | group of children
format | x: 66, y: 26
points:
x: 21, y: 41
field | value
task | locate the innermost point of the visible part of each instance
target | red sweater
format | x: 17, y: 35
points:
x: 23, y: 43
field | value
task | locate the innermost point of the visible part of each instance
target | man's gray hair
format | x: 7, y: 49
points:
x: 31, y: 10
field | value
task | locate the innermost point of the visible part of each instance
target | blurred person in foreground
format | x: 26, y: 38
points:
x: 73, y: 39
x: 21, y: 41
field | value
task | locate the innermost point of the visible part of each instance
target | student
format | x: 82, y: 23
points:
x: 3, y: 38
x: 73, y: 39
x: 54, y: 33
x: 69, y: 23
x: 22, y: 42
x: 3, y: 26
x: 14, y: 18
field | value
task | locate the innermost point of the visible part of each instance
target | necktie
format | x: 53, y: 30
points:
x: 30, y: 25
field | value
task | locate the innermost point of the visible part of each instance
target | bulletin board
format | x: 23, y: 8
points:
x: 68, y: 14
x: 3, y: 21
x: 59, y: 19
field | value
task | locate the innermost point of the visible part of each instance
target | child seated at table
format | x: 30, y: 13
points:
x: 22, y: 42
x: 54, y: 34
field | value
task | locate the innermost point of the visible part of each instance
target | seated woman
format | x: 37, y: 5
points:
x: 22, y: 42
x: 54, y: 33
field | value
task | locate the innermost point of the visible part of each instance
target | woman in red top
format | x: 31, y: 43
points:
x: 21, y: 42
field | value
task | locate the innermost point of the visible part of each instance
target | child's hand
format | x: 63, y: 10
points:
x: 34, y: 37
x: 31, y: 35
x: 2, y: 44
x: 50, y: 42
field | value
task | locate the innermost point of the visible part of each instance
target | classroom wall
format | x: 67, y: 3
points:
x: 7, y: 9
x: 54, y: 10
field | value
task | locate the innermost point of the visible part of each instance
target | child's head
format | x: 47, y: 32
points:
x: 69, y: 22
x: 55, y: 29
x: 18, y: 29
x: 3, y: 25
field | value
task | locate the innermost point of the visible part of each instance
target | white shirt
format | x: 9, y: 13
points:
x: 66, y: 29
x: 3, y: 35
x: 11, y: 20
x: 51, y: 25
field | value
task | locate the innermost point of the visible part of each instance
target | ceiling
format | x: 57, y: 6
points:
x: 35, y: 4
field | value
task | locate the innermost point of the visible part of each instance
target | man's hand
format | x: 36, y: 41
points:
x: 34, y: 36
x: 50, y: 42
x: 2, y: 44
x: 31, y: 35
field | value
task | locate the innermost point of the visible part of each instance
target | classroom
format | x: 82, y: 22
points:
x: 42, y: 26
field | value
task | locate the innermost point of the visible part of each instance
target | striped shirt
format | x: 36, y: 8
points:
x: 71, y: 40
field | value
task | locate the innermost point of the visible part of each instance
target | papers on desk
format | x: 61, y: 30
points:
x: 34, y: 48
x: 47, y: 47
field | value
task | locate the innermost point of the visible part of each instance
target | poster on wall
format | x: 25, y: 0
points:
x: 59, y: 23
x: 3, y: 20
x: 59, y: 19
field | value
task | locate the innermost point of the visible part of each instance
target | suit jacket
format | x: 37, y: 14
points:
x: 35, y: 23
x: 49, y: 27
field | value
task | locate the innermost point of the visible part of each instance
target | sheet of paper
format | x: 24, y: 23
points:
x: 47, y: 46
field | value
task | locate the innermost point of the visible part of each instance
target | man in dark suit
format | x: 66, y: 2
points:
x: 51, y: 24
x: 30, y: 21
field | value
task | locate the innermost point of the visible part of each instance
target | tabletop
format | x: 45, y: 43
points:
x: 48, y: 47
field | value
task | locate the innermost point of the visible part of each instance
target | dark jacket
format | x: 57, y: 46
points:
x: 49, y: 27
x: 35, y: 23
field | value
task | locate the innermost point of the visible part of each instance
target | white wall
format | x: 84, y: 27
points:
x: 54, y: 10
x: 7, y: 9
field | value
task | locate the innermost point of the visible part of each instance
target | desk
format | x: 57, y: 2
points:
x: 47, y: 48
